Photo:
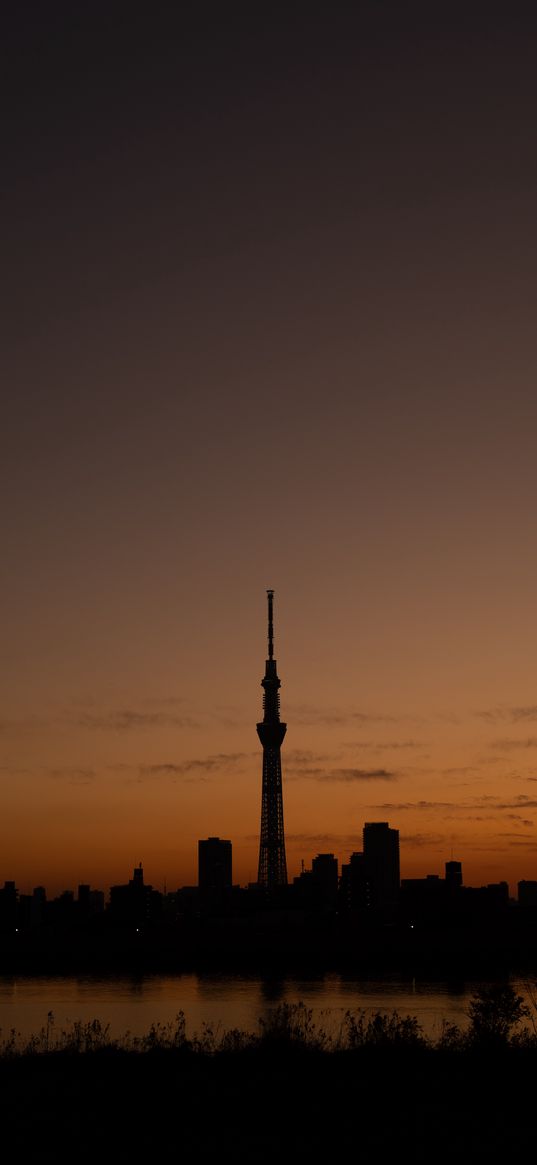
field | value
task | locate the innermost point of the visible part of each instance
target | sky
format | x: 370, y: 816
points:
x: 269, y: 280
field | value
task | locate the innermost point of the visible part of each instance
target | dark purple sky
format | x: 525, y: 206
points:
x: 269, y: 283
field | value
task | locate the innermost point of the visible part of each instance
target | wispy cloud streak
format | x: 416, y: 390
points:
x: 486, y: 802
x: 200, y: 767
x: 129, y: 720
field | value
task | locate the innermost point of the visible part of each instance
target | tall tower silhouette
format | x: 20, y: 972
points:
x: 272, y: 865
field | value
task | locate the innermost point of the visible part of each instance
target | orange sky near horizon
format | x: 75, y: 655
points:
x: 270, y: 323
x: 96, y: 787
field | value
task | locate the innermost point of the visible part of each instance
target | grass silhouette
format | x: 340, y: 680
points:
x: 495, y: 1015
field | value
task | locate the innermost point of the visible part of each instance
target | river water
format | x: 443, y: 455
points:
x: 226, y: 1001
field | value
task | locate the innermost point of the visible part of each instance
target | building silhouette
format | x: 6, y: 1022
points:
x: 424, y: 899
x: 353, y: 884
x: 135, y: 902
x: 9, y: 897
x: 453, y: 875
x: 527, y: 894
x: 381, y: 864
x: 324, y: 869
x: 90, y: 902
x: 272, y: 870
x: 214, y: 864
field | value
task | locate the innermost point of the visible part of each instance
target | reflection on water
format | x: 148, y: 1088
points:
x: 224, y: 1001
x: 272, y: 990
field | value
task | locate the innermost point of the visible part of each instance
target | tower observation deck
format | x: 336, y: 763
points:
x: 272, y: 870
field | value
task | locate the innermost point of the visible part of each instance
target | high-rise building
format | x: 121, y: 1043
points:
x: 353, y: 883
x: 324, y: 869
x: 381, y: 864
x: 272, y: 870
x: 527, y: 895
x: 214, y: 864
x: 453, y: 875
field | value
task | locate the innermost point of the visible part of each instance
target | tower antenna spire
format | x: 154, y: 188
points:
x: 270, y: 597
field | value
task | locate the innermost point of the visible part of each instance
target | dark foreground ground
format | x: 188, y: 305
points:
x: 253, y: 1106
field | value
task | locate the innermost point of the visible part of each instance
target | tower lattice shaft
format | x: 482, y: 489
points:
x: 272, y: 870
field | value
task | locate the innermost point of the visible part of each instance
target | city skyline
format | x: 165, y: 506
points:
x: 214, y: 863
x: 270, y: 320
x: 220, y: 846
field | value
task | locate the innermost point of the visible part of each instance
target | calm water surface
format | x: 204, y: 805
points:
x: 129, y: 1004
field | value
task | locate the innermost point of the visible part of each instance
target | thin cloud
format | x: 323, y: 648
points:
x: 303, y: 774
x: 374, y: 718
x: 128, y: 720
x: 512, y: 714
x: 163, y: 701
x: 491, y: 715
x: 297, y: 757
x: 317, y: 839
x: 420, y: 840
x: 402, y: 806
x: 167, y: 769
x: 345, y: 775
x: 508, y: 745
x: 470, y: 817
x: 485, y: 802
x: 360, y: 775
x: 305, y: 715
x: 520, y: 803
x: 309, y: 714
x: 73, y: 776
x: 197, y: 766
x: 383, y: 746
x: 461, y: 771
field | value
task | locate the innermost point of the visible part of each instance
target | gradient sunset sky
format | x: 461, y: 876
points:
x: 270, y: 284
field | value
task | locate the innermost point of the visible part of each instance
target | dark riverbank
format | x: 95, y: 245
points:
x: 283, y: 944
x: 379, y: 1087
x: 250, y: 1106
